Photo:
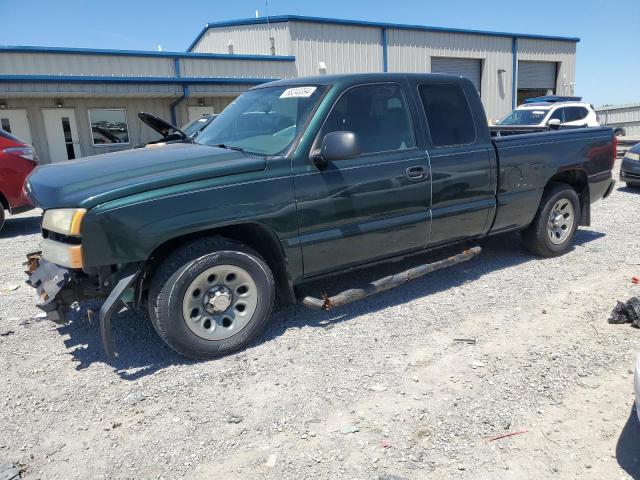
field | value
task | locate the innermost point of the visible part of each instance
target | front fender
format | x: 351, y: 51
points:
x: 130, y: 229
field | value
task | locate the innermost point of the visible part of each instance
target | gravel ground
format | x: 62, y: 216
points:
x: 377, y: 389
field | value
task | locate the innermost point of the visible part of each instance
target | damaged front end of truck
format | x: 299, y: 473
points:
x: 61, y: 280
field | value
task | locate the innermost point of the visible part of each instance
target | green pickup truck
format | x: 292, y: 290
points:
x: 298, y: 180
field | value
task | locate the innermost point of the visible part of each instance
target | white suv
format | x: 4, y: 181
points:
x: 545, y: 113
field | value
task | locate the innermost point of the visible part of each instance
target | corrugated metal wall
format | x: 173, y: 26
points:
x: 138, y: 66
x: 466, y: 67
x: 138, y: 132
x: 197, y: 67
x: 552, y: 51
x: 247, y: 39
x: 74, y: 64
x: 411, y: 51
x: 627, y: 116
x: 344, y: 49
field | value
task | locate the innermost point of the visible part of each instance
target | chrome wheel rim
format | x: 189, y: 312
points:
x: 560, y: 222
x: 220, y: 302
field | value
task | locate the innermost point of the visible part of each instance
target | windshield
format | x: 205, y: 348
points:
x: 524, y: 117
x: 196, y: 125
x: 263, y: 121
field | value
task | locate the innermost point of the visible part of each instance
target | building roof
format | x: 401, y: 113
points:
x: 362, y: 23
x: 140, y: 53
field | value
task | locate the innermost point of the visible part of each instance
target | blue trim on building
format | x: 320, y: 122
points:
x: 198, y: 37
x: 385, y: 53
x: 130, y: 80
x: 360, y: 23
x: 514, y: 72
x: 143, y: 53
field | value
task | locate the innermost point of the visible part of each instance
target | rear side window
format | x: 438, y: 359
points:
x: 448, y: 114
x: 573, y: 114
x: 377, y: 113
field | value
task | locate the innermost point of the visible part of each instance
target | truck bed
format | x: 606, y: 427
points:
x: 527, y: 161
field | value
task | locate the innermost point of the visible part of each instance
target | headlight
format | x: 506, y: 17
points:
x: 632, y: 156
x: 66, y: 221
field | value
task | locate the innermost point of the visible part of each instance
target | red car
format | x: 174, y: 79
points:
x: 17, y: 160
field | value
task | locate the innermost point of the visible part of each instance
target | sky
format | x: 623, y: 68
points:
x: 608, y: 55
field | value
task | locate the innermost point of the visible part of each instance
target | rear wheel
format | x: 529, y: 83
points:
x: 552, y: 231
x: 211, y: 297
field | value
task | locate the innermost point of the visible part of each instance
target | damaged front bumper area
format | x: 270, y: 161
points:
x: 51, y: 282
x: 59, y: 287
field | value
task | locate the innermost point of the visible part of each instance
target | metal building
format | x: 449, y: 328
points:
x: 624, y: 116
x: 72, y: 102
x: 505, y: 67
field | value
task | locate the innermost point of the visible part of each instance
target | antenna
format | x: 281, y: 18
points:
x: 272, y: 40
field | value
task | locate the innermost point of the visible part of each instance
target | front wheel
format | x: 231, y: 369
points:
x: 553, y: 229
x: 211, y: 297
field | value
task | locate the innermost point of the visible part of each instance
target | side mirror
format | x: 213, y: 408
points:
x: 554, y: 124
x: 337, y: 146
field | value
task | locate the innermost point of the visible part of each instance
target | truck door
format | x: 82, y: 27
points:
x: 463, y: 163
x: 375, y: 205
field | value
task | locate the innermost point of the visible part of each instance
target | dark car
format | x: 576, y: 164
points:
x: 300, y: 180
x: 17, y: 160
x: 194, y: 127
x: 630, y: 168
x: 172, y: 134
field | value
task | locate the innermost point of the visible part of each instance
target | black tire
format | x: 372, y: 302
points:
x: 175, y: 274
x: 536, y: 237
x: 1, y: 217
x: 629, y: 185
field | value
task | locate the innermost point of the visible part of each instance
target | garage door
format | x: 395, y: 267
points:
x: 467, y: 67
x: 537, y: 75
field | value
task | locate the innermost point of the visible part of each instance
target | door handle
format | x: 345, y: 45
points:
x: 416, y: 173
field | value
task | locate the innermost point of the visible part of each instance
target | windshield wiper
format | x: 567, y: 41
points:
x: 229, y: 147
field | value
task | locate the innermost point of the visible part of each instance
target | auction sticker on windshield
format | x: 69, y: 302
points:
x: 298, y: 92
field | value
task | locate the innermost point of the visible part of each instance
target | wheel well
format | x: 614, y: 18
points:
x: 579, y: 181
x: 257, y: 237
x: 3, y: 202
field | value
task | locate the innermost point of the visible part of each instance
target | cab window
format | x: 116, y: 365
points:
x: 448, y: 114
x: 378, y: 114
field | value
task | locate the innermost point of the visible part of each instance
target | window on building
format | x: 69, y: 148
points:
x: 448, y: 114
x: 378, y: 114
x: 109, y: 126
x: 5, y: 125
